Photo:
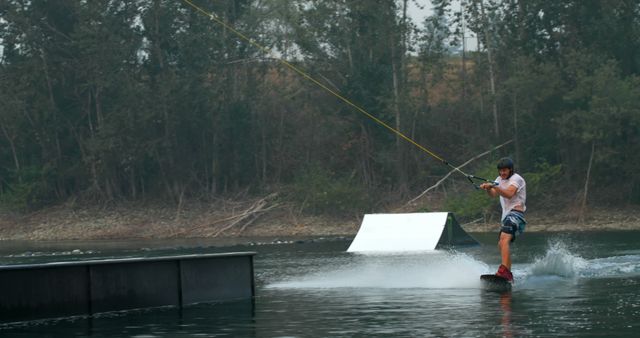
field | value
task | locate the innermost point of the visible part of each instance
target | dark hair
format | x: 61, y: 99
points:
x: 505, y: 162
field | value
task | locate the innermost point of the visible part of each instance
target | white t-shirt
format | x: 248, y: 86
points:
x: 518, y: 199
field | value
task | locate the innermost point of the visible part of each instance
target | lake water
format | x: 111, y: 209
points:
x: 571, y: 285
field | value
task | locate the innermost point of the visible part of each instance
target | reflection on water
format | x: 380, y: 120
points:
x: 571, y: 285
x: 505, y: 305
x: 235, y: 318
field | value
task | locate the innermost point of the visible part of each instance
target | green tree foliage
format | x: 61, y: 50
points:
x: 104, y: 100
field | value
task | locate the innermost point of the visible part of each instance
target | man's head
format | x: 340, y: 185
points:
x: 505, y: 167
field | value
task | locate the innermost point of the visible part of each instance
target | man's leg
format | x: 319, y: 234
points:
x: 503, y: 244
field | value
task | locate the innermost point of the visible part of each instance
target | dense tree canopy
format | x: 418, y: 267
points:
x: 105, y: 100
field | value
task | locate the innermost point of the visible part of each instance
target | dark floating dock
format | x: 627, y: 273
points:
x: 62, y: 289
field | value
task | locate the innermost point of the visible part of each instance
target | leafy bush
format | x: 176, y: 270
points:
x: 545, y: 176
x: 470, y: 205
x: 319, y: 191
x: 25, y: 190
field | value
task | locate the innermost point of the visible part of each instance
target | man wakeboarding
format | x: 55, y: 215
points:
x: 512, y: 190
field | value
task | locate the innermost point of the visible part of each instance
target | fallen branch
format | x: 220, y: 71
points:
x: 251, y: 214
x: 456, y: 169
x: 472, y: 222
x: 255, y: 216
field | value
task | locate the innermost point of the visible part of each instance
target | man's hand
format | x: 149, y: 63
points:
x: 486, y: 186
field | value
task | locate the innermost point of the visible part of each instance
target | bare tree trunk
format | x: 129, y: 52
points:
x: 398, y: 70
x: 54, y: 111
x: 182, y: 189
x: 464, y: 58
x: 156, y: 32
x: 396, y: 94
x: 98, y: 106
x: 400, y: 159
x: 91, y: 154
x: 10, y: 139
x: 515, y: 127
x: 53, y: 104
x: 397, y: 65
x: 132, y: 182
x: 583, y: 206
x: 492, y: 80
x: 367, y: 174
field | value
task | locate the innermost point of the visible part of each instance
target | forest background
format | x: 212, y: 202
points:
x: 149, y: 104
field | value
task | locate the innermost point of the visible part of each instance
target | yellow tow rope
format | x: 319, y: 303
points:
x: 266, y: 50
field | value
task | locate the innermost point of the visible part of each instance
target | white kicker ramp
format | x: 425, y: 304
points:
x: 408, y: 232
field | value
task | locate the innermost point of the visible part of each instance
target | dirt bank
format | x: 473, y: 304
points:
x: 597, y: 219
x: 222, y: 219
x: 229, y: 219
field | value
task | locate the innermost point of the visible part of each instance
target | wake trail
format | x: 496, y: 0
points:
x: 454, y: 270
x: 433, y: 270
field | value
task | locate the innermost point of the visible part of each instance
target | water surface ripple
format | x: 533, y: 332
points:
x: 569, y: 285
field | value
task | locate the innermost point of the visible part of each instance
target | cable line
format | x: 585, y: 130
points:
x: 291, y: 66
